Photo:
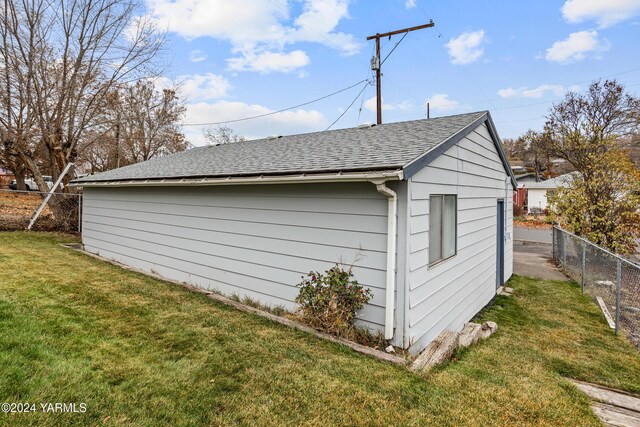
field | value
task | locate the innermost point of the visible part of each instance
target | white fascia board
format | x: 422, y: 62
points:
x: 391, y: 175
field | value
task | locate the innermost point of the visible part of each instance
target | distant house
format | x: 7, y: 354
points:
x: 6, y: 176
x: 537, y: 192
x: 520, y: 193
x: 525, y: 178
x: 423, y: 207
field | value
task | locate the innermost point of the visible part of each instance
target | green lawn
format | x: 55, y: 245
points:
x: 139, y: 351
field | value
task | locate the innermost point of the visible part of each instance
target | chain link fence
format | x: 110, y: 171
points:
x: 613, y: 281
x: 62, y: 212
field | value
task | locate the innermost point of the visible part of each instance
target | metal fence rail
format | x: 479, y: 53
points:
x: 62, y: 213
x: 613, y: 281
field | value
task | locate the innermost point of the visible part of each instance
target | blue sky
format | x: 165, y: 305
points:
x: 241, y: 58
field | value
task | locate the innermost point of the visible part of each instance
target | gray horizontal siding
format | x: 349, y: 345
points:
x: 249, y: 240
x: 447, y: 295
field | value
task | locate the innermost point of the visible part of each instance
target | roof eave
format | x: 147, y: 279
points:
x: 417, y: 164
x: 309, y: 178
x: 498, y: 143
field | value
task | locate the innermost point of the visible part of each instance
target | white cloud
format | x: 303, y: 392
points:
x: 267, y: 62
x: 466, y: 48
x: 410, y: 4
x: 239, y: 21
x: 536, y: 92
x: 254, y: 27
x: 604, y: 12
x: 285, y: 123
x: 197, y: 56
x: 371, y: 105
x: 197, y: 87
x: 441, y: 102
x: 576, y: 47
x: 318, y: 22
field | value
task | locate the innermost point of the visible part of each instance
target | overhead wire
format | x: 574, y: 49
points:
x: 329, y: 41
x: 337, y: 46
x: 365, y: 91
x: 489, y: 100
x: 466, y: 71
x: 394, y: 48
x: 362, y: 91
x: 278, y: 111
x: 361, y: 104
x: 350, y: 105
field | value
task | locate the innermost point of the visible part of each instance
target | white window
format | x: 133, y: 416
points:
x: 442, y: 227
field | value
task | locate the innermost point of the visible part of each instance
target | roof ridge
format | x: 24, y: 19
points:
x: 268, y: 138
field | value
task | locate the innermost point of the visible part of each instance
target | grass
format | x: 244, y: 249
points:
x: 139, y: 351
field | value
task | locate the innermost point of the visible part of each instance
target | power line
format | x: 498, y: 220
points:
x: 361, y: 104
x: 537, y: 103
x: 440, y: 35
x: 278, y: 111
x: 513, y: 107
x: 376, y: 63
x: 566, y: 85
x: 364, y: 92
x: 394, y: 48
x: 350, y: 105
x: 396, y: 83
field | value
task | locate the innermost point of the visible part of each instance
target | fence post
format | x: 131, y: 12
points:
x: 618, y: 283
x: 584, y: 253
x: 553, y: 242
x: 80, y: 212
x: 564, y: 249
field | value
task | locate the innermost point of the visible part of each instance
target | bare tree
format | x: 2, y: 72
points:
x: 536, y: 154
x: 62, y: 60
x: 514, y: 148
x: 17, y: 122
x: 583, y: 125
x: 143, y: 123
x: 150, y: 122
x: 221, y: 135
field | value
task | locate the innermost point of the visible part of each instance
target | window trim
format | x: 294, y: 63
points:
x: 455, y: 238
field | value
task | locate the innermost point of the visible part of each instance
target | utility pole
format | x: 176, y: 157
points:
x: 376, y: 63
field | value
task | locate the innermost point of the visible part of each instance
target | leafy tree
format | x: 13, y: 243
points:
x: 601, y: 203
x: 631, y: 144
x: 605, y: 207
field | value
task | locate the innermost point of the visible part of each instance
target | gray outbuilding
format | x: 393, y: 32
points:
x: 422, y: 208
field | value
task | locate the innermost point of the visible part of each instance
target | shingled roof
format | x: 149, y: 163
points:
x: 392, y: 146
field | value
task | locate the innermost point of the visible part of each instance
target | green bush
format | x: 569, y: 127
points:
x: 331, y: 300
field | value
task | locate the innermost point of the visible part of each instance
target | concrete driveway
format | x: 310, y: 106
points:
x: 534, y: 260
x: 532, y: 254
x: 532, y: 235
